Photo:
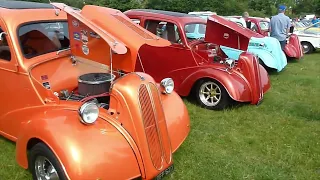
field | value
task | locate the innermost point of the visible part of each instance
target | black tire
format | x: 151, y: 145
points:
x: 307, y: 47
x: 41, y: 150
x: 224, y: 101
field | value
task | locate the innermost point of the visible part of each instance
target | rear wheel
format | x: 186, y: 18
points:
x: 212, y: 95
x: 307, y: 47
x: 44, y: 165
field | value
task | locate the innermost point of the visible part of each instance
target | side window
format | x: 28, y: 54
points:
x: 137, y: 21
x: 5, y: 53
x: 165, y: 30
x: 254, y: 27
x: 43, y: 37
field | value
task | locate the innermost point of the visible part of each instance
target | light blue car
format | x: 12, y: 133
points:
x: 268, y: 49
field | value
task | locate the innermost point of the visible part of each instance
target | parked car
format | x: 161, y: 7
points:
x: 203, y: 14
x: 309, y: 37
x: 197, y: 65
x: 293, y: 48
x: 239, y: 21
x: 266, y: 48
x: 69, y: 110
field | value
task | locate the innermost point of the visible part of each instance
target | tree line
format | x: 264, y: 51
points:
x: 261, y: 8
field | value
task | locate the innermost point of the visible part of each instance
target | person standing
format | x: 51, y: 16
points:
x: 244, y: 20
x: 315, y: 21
x: 280, y: 26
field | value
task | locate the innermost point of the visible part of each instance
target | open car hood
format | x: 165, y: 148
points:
x: 101, y: 34
x: 223, y: 32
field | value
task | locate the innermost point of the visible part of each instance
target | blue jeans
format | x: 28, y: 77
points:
x: 283, y: 44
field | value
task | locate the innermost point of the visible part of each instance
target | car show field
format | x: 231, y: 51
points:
x: 279, y: 139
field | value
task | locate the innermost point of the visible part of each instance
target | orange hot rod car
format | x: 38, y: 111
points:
x: 71, y: 112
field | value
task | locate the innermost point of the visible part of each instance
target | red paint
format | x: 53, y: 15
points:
x: 191, y: 61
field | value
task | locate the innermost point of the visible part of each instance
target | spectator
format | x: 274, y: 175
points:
x: 314, y: 21
x: 280, y: 26
x: 245, y: 15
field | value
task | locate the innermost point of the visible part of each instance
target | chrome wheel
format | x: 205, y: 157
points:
x: 44, y: 169
x: 210, y: 94
x: 306, y: 47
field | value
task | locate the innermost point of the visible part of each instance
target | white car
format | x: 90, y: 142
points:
x: 239, y: 21
x: 203, y: 14
x: 309, y: 37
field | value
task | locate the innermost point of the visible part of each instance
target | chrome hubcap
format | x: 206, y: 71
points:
x: 210, y: 94
x: 305, y: 48
x: 45, y: 170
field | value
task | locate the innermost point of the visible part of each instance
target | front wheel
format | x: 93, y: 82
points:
x: 212, y: 95
x: 44, y: 165
x: 307, y: 47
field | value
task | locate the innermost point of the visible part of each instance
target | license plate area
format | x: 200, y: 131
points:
x: 165, y: 173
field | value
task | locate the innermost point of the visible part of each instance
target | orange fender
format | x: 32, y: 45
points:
x: 85, y: 151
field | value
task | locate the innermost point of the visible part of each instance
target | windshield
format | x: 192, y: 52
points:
x: 264, y: 25
x: 313, y: 29
x: 43, y: 37
x: 195, y: 31
x: 299, y: 25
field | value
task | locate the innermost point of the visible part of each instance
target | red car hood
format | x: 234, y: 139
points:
x: 101, y: 34
x: 226, y: 33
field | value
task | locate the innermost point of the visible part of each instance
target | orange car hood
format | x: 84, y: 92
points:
x: 226, y: 33
x: 101, y: 34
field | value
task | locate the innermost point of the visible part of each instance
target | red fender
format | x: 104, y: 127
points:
x: 293, y: 48
x: 236, y: 87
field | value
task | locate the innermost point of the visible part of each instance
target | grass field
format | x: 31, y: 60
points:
x: 280, y: 139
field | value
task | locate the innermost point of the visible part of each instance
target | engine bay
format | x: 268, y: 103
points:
x: 210, y: 52
x: 92, y: 87
x: 102, y: 100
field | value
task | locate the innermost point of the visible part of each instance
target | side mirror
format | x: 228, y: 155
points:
x: 1, y: 35
x: 291, y: 29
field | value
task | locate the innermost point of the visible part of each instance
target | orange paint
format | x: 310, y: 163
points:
x: 118, y: 145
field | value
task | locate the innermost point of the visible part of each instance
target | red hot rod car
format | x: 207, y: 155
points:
x: 198, y: 66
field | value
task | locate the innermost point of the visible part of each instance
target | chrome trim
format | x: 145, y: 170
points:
x: 83, y: 107
x: 62, y: 50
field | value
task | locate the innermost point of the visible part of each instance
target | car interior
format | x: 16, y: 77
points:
x: 41, y: 38
x: 165, y: 30
x: 5, y: 53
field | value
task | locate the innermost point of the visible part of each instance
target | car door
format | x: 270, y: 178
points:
x: 16, y: 92
x: 167, y: 61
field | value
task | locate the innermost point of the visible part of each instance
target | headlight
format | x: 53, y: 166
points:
x: 230, y: 63
x: 89, y: 112
x: 168, y: 85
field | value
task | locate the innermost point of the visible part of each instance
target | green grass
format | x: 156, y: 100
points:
x: 280, y: 139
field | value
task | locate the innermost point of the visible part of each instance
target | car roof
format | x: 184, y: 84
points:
x: 180, y: 17
x: 168, y: 13
x: 24, y: 5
